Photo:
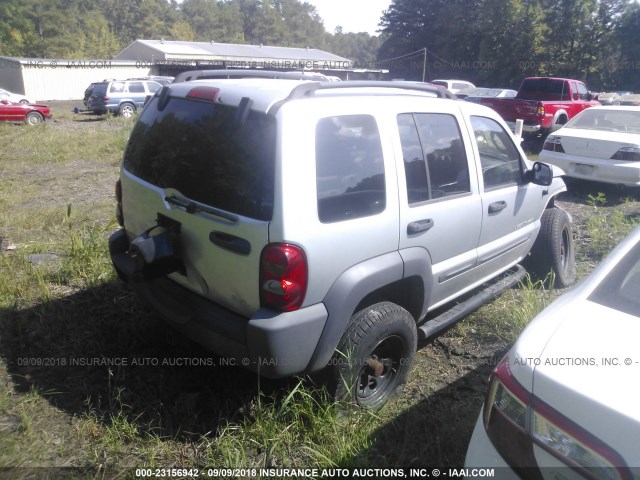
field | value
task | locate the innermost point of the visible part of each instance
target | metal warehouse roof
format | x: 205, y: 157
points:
x: 168, y: 50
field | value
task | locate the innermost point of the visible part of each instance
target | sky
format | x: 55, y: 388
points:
x: 352, y: 15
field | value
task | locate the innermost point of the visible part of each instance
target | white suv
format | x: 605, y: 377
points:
x: 295, y: 225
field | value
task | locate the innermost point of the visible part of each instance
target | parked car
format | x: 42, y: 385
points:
x: 23, y: 113
x: 600, y: 144
x: 13, y: 97
x: 563, y: 402
x: 544, y: 104
x: 293, y: 225
x: 475, y: 94
x: 120, y: 97
x: 631, y: 99
x: 162, y: 80
x: 454, y: 86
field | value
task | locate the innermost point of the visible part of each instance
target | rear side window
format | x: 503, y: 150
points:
x: 206, y: 153
x: 136, y: 87
x: 435, y: 161
x: 116, y: 87
x: 349, y: 168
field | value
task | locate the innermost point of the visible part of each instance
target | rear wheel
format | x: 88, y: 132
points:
x: 126, y: 110
x: 33, y: 118
x: 374, y: 356
x: 553, y: 250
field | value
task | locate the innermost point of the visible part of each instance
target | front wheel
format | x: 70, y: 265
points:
x: 374, y: 356
x: 34, y: 118
x: 553, y: 250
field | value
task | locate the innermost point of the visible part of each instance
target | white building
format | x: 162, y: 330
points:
x: 41, y: 79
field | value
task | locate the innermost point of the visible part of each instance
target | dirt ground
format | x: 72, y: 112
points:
x: 446, y: 388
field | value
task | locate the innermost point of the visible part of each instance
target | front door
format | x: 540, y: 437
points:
x: 511, y: 206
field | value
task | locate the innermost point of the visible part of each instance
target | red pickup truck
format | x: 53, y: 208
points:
x: 544, y: 104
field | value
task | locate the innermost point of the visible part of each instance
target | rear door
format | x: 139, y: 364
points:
x: 211, y: 170
x: 441, y: 210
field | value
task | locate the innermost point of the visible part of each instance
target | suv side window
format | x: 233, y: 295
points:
x: 153, y: 87
x: 116, y: 87
x: 349, y: 168
x: 499, y: 157
x: 434, y: 156
x: 136, y: 87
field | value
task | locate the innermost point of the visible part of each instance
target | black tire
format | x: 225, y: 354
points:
x: 33, y: 118
x: 374, y: 356
x: 127, y: 110
x: 553, y: 250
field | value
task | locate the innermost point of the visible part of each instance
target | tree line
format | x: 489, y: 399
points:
x: 499, y: 42
x: 100, y: 29
x: 490, y: 42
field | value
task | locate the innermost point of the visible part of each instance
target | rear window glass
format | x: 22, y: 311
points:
x: 544, y: 88
x: 204, y: 152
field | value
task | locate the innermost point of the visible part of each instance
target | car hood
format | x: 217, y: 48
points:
x: 583, y: 359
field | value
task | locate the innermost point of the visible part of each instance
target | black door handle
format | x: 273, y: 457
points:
x: 495, y: 207
x: 419, y: 226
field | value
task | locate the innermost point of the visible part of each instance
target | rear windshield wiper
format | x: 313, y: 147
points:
x: 194, y: 207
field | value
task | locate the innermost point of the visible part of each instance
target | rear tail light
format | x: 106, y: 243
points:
x: 506, y: 414
x: 105, y: 99
x: 540, y: 110
x: 283, y: 277
x: 553, y: 144
x: 515, y: 420
x: 628, y: 153
x: 119, y: 213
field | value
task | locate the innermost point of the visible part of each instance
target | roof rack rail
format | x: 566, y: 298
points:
x: 308, y: 89
x: 191, y: 75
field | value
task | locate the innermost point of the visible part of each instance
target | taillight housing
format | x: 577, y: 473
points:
x: 540, y: 110
x: 105, y: 99
x: 553, y: 143
x: 283, y: 277
x: 631, y: 154
x: 119, y: 213
x: 506, y: 416
x: 515, y: 420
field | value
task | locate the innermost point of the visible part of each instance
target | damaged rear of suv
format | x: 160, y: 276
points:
x: 296, y: 225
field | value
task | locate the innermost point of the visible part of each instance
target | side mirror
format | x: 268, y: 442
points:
x: 4, y: 101
x: 540, y: 174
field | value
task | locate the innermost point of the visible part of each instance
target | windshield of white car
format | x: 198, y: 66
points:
x: 625, y: 121
x: 619, y: 290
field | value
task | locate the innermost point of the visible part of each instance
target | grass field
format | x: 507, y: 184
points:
x: 95, y: 385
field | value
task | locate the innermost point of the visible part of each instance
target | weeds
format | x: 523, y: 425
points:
x: 606, y: 229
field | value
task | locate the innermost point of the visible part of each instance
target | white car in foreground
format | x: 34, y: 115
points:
x: 565, y: 401
x: 600, y: 144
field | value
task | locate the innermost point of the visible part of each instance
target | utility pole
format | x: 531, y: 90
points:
x: 424, y: 65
